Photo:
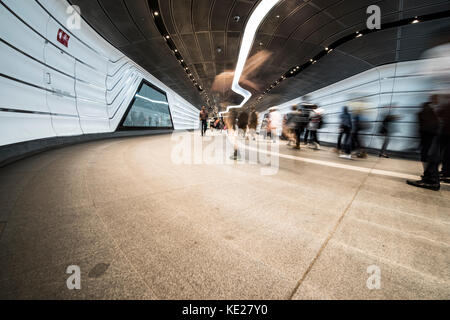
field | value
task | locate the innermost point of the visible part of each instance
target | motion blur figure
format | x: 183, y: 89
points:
x: 274, y: 123
x: 253, y: 123
x: 386, y: 131
x: 429, y: 141
x: 444, y: 117
x: 294, y: 123
x: 315, y: 118
x: 243, y: 122
x: 357, y: 126
x: 203, y: 116
x: 231, y: 122
x: 345, y: 140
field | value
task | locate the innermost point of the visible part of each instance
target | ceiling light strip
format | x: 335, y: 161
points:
x: 247, y: 42
x: 292, y: 72
x: 156, y: 13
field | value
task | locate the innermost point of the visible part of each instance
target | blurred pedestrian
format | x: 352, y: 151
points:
x: 385, y: 131
x: 345, y: 140
x: 358, y: 125
x: 429, y: 141
x: 203, y: 116
x: 243, y: 122
x: 253, y: 123
x: 315, y: 118
x: 443, y: 114
x: 274, y: 123
x: 294, y: 123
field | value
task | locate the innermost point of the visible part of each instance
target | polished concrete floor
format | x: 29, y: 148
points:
x: 142, y: 226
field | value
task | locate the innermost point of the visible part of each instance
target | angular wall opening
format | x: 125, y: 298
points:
x: 149, y: 110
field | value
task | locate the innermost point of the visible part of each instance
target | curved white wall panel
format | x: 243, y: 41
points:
x: 51, y: 90
x: 398, y: 89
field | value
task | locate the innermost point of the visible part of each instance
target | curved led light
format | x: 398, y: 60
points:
x: 247, y: 41
x: 150, y: 100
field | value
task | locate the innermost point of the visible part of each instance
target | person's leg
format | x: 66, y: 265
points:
x: 339, y: 141
x: 430, y: 178
x: 347, y: 141
x: 313, y: 138
x: 445, y: 149
x: 384, y: 146
x: 305, y: 136
x: 297, y: 136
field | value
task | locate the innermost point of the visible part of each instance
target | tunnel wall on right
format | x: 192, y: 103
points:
x: 397, y: 89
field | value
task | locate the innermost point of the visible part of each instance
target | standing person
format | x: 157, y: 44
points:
x: 385, y: 131
x: 315, y: 118
x: 253, y: 123
x: 346, y: 129
x: 203, y: 118
x: 243, y: 122
x: 429, y: 142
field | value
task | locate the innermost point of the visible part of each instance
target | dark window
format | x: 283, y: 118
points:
x: 149, y: 110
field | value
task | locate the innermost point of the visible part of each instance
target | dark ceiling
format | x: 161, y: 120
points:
x: 292, y: 33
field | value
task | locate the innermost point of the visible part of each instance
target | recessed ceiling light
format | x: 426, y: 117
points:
x: 156, y: 13
x: 176, y: 50
x: 277, y: 16
x: 415, y: 20
x: 167, y: 37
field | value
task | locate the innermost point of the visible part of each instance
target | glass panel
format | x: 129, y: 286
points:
x: 150, y: 109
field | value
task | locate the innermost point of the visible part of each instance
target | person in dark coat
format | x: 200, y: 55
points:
x: 443, y: 114
x: 345, y: 134
x: 296, y: 125
x: 203, y: 117
x: 385, y: 131
x: 429, y: 141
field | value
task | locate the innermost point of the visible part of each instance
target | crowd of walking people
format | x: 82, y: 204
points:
x: 305, y: 120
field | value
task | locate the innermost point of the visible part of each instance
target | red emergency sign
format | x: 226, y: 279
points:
x: 63, y: 38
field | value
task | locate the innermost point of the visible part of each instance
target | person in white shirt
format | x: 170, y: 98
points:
x: 274, y: 123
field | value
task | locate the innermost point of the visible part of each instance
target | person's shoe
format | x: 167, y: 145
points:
x: 296, y: 147
x: 345, y: 156
x: 383, y: 155
x: 424, y: 184
x: 362, y: 155
x: 444, y: 177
